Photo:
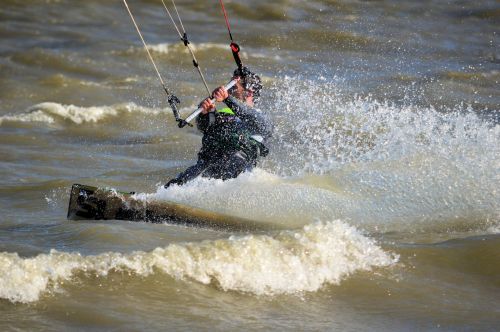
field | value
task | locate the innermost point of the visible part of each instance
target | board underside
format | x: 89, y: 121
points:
x: 93, y: 203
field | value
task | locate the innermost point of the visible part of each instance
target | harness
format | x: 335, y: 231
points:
x: 227, y: 133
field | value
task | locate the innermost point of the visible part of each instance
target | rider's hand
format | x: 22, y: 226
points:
x: 220, y: 94
x: 207, y: 106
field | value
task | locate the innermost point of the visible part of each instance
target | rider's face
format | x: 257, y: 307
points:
x: 239, y: 92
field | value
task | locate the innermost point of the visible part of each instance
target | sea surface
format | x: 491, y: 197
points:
x: 382, y: 187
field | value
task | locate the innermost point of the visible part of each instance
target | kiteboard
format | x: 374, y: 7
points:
x: 94, y: 203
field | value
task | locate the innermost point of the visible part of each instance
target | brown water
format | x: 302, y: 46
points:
x: 383, y: 174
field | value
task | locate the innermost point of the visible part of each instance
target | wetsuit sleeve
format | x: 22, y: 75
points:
x: 256, y: 120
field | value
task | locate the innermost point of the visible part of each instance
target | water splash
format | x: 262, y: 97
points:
x: 400, y: 164
x: 381, y: 166
x: 320, y: 129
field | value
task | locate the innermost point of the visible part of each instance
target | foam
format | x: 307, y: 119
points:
x: 495, y: 228
x: 285, y: 263
x: 49, y: 112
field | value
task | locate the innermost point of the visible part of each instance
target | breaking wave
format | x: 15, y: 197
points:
x: 50, y: 113
x: 285, y: 263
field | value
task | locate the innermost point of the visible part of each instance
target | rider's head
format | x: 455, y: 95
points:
x: 248, y: 88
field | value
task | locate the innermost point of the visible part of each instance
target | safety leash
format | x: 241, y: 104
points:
x: 172, y: 99
x: 235, y: 48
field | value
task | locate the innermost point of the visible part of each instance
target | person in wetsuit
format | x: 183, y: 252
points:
x: 234, y: 137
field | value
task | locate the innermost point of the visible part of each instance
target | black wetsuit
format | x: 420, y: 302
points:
x: 231, y: 144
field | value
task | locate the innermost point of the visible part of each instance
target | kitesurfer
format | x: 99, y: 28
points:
x: 234, y: 137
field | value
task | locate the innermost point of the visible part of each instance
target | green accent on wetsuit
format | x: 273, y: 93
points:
x: 226, y: 111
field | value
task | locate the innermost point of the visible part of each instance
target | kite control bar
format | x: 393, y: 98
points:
x: 198, y: 111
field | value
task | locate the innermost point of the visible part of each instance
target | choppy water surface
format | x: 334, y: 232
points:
x: 382, y: 180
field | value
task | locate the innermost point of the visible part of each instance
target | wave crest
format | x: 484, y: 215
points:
x: 288, y: 262
x: 50, y: 113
